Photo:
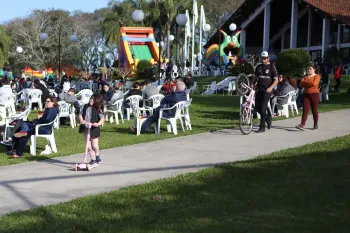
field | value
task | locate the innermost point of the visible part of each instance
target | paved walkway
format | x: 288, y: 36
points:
x: 47, y: 182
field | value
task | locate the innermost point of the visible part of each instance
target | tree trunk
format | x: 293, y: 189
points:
x: 180, y: 51
x: 169, y: 23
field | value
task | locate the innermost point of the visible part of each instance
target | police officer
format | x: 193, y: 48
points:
x: 267, y: 80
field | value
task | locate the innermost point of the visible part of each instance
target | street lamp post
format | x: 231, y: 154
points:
x: 205, y: 28
x: 73, y: 38
x: 181, y: 20
x: 170, y: 39
x: 161, y: 44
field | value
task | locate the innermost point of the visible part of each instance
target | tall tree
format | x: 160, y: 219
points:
x: 118, y: 15
x: 56, y: 23
x: 5, y: 45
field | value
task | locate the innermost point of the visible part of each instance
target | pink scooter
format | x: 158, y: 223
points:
x: 84, y: 166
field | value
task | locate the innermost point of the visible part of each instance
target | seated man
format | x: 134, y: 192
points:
x: 169, y: 101
x: 118, y: 94
x: 70, y: 98
x: 148, y: 91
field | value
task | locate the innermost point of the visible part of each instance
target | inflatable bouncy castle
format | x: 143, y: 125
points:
x: 230, y: 50
x: 136, y: 44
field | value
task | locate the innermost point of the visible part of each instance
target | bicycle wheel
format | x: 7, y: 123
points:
x: 246, y: 120
x: 242, y: 79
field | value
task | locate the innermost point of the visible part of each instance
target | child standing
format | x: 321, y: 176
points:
x: 92, y: 116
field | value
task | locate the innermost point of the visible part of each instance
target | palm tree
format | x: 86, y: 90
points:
x: 119, y: 15
x: 168, y: 12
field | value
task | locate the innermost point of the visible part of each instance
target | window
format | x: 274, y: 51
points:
x: 344, y: 53
x: 345, y: 37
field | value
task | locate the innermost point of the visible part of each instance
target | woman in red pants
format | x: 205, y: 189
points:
x: 311, y: 97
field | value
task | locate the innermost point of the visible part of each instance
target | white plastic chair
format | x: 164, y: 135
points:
x: 66, y: 86
x: 119, y: 105
x: 84, y: 96
x: 20, y: 116
x: 140, y: 117
x: 171, y: 122
x: 52, y: 92
x: 210, y: 89
x: 34, y: 96
x: 133, y: 100
x: 268, y: 109
x: 291, y: 103
x: 324, y: 90
x: 230, y: 88
x: 185, y: 113
x: 155, y: 101
x: 7, y: 109
x: 50, y: 138
x: 66, y: 110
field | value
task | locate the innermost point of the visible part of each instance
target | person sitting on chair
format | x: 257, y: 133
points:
x: 26, y: 130
x: 188, y: 80
x: 118, y: 94
x: 178, y: 94
x: 69, y: 97
x: 286, y: 84
x: 148, y: 91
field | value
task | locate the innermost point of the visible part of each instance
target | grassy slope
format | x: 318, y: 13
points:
x: 207, y: 113
x: 297, y: 190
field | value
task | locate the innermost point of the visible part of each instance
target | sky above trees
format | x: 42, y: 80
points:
x: 21, y: 8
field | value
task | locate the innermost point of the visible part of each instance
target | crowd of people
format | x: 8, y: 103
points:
x: 91, y: 116
x: 271, y: 88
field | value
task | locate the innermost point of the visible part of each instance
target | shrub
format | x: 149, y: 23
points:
x: 292, y: 62
x: 242, y: 68
x: 145, y: 70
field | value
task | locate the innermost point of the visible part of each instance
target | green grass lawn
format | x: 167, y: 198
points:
x: 298, y: 190
x: 207, y: 113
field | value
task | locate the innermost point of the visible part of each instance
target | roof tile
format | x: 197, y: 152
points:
x: 338, y: 9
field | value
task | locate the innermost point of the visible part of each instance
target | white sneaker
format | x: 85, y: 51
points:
x: 47, y: 150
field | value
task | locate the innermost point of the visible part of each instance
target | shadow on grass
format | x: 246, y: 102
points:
x: 220, y: 115
x: 285, y: 192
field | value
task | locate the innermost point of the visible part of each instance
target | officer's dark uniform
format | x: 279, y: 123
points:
x: 266, y: 75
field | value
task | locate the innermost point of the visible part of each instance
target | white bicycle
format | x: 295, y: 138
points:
x: 246, y: 112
